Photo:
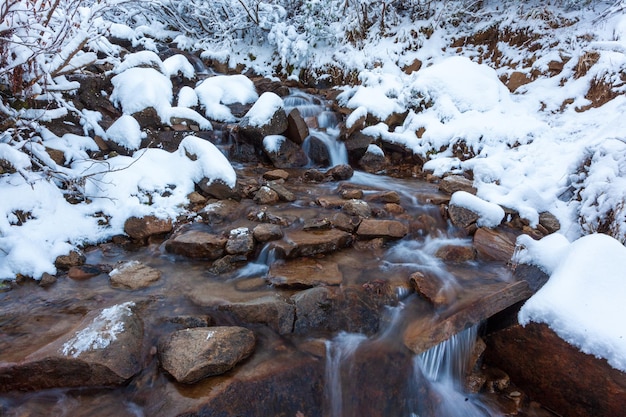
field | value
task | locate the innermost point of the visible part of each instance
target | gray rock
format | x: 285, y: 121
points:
x: 453, y: 183
x: 240, y: 242
x: 272, y: 310
x: 357, y: 208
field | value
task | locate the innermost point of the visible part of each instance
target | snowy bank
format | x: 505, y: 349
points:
x: 583, y: 301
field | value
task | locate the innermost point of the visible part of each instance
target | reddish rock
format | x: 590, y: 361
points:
x: 456, y: 253
x: 556, y: 373
x: 305, y: 272
x: 266, y: 232
x: 495, y: 244
x: 83, y: 272
x: 453, y: 183
x: 276, y: 174
x: 134, y: 275
x: 432, y: 288
x: 390, y: 229
x: 309, y: 243
x: 297, y: 130
x: 142, y: 227
x: 197, y: 244
x: 340, y: 173
x: 384, y: 197
x: 240, y: 242
x: 74, y: 258
x: 357, y: 208
x: 190, y: 355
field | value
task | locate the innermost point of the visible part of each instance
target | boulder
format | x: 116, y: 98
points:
x: 223, y: 211
x: 267, y: 232
x: 556, y: 373
x: 272, y: 310
x: 197, y: 244
x: 218, y: 189
x: 140, y: 228
x: 318, y: 151
x: 190, y: 355
x: 495, y: 244
x: 297, y: 130
x: 308, y: 243
x: 463, y: 218
x: 304, y: 272
x: 388, y: 229
x: 373, y: 160
x: 453, y: 183
x: 356, y: 146
x: 104, y: 349
x: 133, y: 275
x: 240, y: 242
x: 254, y: 134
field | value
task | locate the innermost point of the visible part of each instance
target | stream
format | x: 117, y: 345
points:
x: 350, y: 373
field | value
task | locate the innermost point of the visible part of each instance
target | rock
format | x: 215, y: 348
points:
x: 286, y: 154
x: 103, y: 350
x: 350, y: 308
x: 196, y: 198
x: 305, y: 272
x: 283, y: 193
x: 373, y: 160
x: 340, y: 173
x: 357, y: 208
x: 318, y: 151
x: 197, y: 244
x: 536, y: 359
x: 456, y: 253
x: 227, y: 263
x: 83, y: 272
x: 266, y: 196
x: 266, y: 216
x: 133, y: 275
x: 271, y: 310
x: 264, y: 85
x: 297, y: 130
x: 190, y: 355
x: 389, y: 229
x: 313, y: 175
x: 549, y: 221
x: 277, y: 125
x: 267, y: 232
x: 462, y: 217
x: 351, y: 194
x: 384, y: 197
x: 47, y: 280
x: 240, y: 242
x: 218, y: 189
x: 495, y: 244
x: 432, y: 288
x: 74, y: 258
x: 223, y: 211
x: 356, y: 146
x: 140, y: 228
x: 300, y: 243
x: 276, y: 174
x: 344, y: 222
x: 416, y: 65
x: 453, y: 183
x: 330, y: 202
x: 516, y: 80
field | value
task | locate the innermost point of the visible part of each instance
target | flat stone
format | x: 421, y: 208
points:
x: 456, y: 253
x: 309, y: 243
x: 384, y: 197
x: 276, y: 174
x: 240, y: 242
x: 83, y: 272
x: 142, y: 227
x: 305, y: 272
x: 104, y: 349
x: 133, y: 275
x: 190, y: 355
x: 272, y: 310
x: 390, y: 229
x: 357, y: 208
x: 197, y: 244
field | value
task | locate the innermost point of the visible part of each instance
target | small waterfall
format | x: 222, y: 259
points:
x: 259, y: 267
x: 339, y: 352
x: 443, y: 369
x: 323, y: 125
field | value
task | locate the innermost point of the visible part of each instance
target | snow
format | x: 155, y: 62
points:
x: 489, y: 214
x: 216, y: 92
x: 137, y: 89
x: 178, y: 64
x: 583, y: 300
x: 272, y: 143
x: 265, y: 107
x: 126, y: 132
x: 100, y: 332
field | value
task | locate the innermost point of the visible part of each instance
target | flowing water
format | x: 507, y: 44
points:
x: 362, y: 375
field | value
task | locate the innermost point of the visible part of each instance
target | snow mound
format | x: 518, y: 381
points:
x: 272, y: 143
x: 583, y: 301
x: 265, y: 107
x: 137, y: 89
x: 126, y: 132
x: 215, y: 93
